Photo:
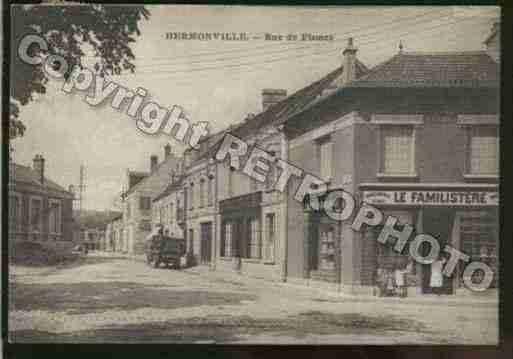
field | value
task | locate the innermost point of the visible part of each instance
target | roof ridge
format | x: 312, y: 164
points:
x: 376, y: 68
x: 132, y: 189
x: 427, y: 53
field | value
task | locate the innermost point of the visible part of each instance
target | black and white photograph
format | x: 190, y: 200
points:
x: 214, y: 174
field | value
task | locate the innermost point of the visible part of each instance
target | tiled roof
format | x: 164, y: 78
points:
x: 25, y: 174
x: 449, y: 69
x: 283, y: 109
x: 146, y: 176
x: 170, y: 188
x: 287, y: 106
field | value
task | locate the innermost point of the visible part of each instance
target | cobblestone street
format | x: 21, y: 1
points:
x: 103, y: 298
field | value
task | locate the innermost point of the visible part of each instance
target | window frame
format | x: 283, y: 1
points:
x: 210, y: 187
x: 19, y: 212
x: 145, y: 203
x: 231, y: 174
x: 382, y: 155
x: 469, y: 128
x: 31, y: 229
x: 59, y: 228
x: 191, y: 196
x: 271, y: 229
x: 325, y: 140
x: 254, y: 240
x: 202, y: 193
x: 226, y: 251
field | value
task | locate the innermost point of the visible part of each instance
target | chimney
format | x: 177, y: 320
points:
x: 167, y: 151
x: 39, y: 167
x: 154, y: 160
x: 349, y: 71
x: 271, y: 97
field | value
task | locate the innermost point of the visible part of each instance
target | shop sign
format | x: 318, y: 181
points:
x: 432, y: 198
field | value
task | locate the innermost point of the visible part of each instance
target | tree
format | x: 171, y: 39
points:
x: 68, y: 29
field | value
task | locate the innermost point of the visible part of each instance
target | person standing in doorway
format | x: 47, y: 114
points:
x: 437, y: 279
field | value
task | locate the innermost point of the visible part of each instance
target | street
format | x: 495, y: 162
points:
x: 102, y: 298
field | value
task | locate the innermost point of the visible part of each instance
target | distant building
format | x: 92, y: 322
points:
x: 113, y: 234
x: 137, y: 199
x: 40, y: 210
x: 169, y: 210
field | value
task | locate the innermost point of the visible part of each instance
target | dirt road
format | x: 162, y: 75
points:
x: 107, y: 299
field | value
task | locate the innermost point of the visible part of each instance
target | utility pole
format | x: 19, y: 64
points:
x: 81, y: 187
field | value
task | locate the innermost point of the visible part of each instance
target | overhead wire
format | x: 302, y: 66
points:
x: 273, y: 60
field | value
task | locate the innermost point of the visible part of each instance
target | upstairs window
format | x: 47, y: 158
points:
x: 209, y: 191
x: 483, y: 154
x: 230, y: 181
x: 397, y: 150
x: 191, y: 196
x: 162, y: 215
x: 128, y: 209
x: 325, y: 157
x: 145, y: 203
x: 202, y: 193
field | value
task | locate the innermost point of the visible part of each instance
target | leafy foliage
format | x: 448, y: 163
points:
x: 107, y: 29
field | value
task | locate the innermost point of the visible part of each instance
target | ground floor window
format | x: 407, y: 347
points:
x: 478, y: 239
x: 226, y: 239
x: 191, y: 241
x: 15, y: 213
x: 254, y: 242
x: 271, y: 236
x: 387, y: 259
x: 326, y: 247
x: 36, y: 209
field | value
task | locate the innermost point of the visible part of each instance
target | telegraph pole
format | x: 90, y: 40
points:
x: 81, y: 187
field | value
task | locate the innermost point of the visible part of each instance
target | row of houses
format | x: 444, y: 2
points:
x: 416, y: 136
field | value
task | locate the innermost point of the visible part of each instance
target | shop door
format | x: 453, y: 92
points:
x: 206, y: 242
x: 437, y: 222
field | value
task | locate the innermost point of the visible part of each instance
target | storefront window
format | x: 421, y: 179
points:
x: 478, y: 238
x: 326, y: 247
x: 226, y: 244
x: 271, y: 233
x: 387, y: 257
x: 254, y: 238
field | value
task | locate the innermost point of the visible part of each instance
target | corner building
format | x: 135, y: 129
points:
x: 417, y: 137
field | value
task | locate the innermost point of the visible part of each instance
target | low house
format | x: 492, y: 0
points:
x: 40, y: 210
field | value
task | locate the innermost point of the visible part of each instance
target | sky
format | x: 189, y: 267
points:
x: 220, y: 82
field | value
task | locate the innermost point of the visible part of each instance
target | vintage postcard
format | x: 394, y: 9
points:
x: 253, y: 175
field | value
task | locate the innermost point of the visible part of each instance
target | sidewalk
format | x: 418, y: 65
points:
x: 332, y: 296
x: 487, y: 299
